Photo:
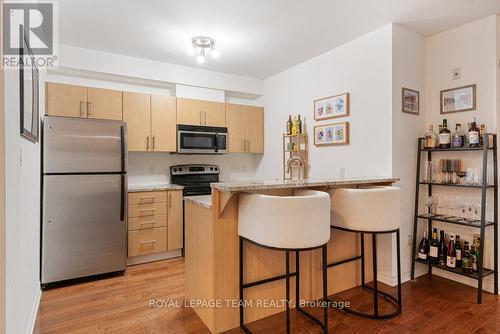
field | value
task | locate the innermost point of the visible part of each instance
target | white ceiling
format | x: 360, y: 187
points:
x: 257, y: 38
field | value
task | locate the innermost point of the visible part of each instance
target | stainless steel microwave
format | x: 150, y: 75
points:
x: 192, y: 139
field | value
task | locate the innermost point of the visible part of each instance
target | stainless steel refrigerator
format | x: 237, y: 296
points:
x: 84, y: 176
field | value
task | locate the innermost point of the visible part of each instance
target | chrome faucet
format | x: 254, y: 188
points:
x: 301, y: 164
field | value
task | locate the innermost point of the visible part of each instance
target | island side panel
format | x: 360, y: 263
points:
x: 199, y: 260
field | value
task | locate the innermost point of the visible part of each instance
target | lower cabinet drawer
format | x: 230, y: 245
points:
x: 147, y: 241
x: 146, y: 210
x: 138, y: 223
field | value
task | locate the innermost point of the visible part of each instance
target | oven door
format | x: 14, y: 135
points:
x: 196, y: 142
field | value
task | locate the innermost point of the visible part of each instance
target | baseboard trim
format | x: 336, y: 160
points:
x: 153, y: 257
x: 34, y: 312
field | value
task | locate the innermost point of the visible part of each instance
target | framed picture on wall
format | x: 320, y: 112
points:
x: 28, y: 90
x: 458, y: 99
x: 331, y: 134
x: 410, y: 101
x: 331, y: 107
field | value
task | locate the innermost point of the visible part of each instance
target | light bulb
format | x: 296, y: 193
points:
x: 191, y: 50
x: 215, y: 53
x: 200, y: 59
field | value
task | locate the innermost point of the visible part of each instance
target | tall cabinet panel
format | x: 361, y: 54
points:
x: 104, y: 103
x: 254, y: 119
x: 66, y: 100
x: 137, y: 114
x: 163, y: 123
x: 235, y: 121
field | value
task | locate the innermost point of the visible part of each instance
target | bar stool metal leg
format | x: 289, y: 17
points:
x: 398, y: 251
x: 362, y: 260
x: 375, y: 288
x: 297, y: 280
x: 287, y: 279
x: 325, y: 290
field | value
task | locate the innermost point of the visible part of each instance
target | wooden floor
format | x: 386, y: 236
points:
x: 121, y: 304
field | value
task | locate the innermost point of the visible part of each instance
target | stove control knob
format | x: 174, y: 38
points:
x: 211, y: 168
x: 175, y: 169
x: 216, y: 169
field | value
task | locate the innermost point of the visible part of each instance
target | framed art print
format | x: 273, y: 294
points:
x: 410, y: 101
x: 458, y: 99
x: 331, y: 107
x: 331, y: 134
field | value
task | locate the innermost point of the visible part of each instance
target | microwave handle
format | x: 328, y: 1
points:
x: 216, y: 141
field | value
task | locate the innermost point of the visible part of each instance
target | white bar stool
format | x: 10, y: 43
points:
x: 373, y: 210
x: 290, y: 224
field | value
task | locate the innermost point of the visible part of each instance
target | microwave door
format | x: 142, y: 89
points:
x: 196, y: 142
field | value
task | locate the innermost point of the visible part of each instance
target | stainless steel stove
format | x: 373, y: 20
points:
x: 196, y: 179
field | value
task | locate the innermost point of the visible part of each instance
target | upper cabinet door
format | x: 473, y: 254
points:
x: 214, y: 113
x: 189, y: 111
x: 137, y: 114
x: 66, y: 100
x: 104, y: 104
x: 163, y: 123
x: 235, y: 122
x: 254, y: 120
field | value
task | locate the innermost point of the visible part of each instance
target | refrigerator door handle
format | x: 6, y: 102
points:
x: 122, y: 197
x: 122, y: 147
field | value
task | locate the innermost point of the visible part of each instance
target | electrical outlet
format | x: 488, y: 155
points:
x: 457, y: 73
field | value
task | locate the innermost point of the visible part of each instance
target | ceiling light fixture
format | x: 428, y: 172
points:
x: 203, y: 44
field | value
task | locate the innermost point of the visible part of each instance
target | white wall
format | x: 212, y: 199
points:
x: 22, y: 214
x: 408, y: 70
x: 361, y: 67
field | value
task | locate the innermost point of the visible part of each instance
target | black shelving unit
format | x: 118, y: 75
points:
x: 480, y: 224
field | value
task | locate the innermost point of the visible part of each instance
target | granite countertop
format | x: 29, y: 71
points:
x: 306, y: 183
x: 203, y: 200
x: 136, y: 187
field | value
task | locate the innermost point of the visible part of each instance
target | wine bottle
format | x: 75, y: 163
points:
x: 294, y: 126
x: 473, y: 134
x: 473, y: 259
x: 451, y: 256
x: 423, y: 248
x: 445, y: 136
x: 466, y: 260
x: 442, y: 249
x: 299, y: 125
x: 458, y: 250
x: 482, y: 131
x: 434, y: 248
x: 289, y: 125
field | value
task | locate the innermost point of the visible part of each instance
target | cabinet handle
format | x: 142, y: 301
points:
x: 89, y: 109
x: 148, y: 223
x: 147, y: 143
x: 169, y: 201
x: 150, y: 198
x: 205, y: 117
x: 148, y: 242
x: 152, y: 211
x: 81, y: 109
x: 153, y: 142
x: 248, y: 145
x: 201, y: 122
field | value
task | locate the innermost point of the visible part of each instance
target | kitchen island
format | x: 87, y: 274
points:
x: 212, y: 255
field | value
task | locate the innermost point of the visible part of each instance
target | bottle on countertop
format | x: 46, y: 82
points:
x: 434, y: 248
x: 294, y: 126
x: 442, y: 249
x: 458, y: 251
x: 423, y: 248
x: 473, y: 259
x: 458, y: 138
x: 289, y: 125
x: 299, y: 125
x: 430, y: 138
x: 451, y: 256
x: 445, y: 136
x: 474, y: 134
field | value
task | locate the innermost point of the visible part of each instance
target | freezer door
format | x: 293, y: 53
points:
x: 74, y: 145
x: 82, y: 228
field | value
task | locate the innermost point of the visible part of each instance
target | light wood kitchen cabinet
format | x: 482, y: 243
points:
x: 199, y: 112
x: 155, y: 222
x: 245, y: 128
x: 175, y: 218
x: 65, y: 100
x: 83, y: 102
x: 104, y: 103
x: 163, y: 123
x: 137, y: 114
